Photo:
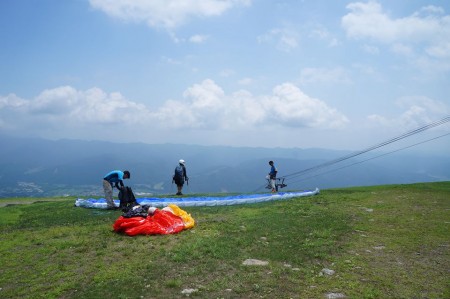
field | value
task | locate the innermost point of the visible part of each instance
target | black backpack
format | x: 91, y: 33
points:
x: 127, y: 199
x: 178, y: 177
x: 179, y: 173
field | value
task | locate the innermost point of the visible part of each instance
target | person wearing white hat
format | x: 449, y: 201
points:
x: 180, y: 176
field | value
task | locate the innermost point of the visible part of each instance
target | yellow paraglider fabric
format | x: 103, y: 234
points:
x: 169, y: 220
x: 189, y: 222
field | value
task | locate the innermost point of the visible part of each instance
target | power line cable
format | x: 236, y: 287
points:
x: 359, y: 162
x: 371, y: 148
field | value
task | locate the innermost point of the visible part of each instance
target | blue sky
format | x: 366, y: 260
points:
x: 329, y: 74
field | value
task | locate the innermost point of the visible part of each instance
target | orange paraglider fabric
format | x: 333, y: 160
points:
x: 161, y: 222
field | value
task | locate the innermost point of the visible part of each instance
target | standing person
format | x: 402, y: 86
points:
x: 111, y: 180
x: 180, y: 176
x: 273, y: 175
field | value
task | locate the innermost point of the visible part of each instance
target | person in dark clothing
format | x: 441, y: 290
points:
x: 113, y: 179
x: 180, y: 176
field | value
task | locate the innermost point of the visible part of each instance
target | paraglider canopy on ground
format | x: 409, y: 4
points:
x: 169, y: 220
x: 200, y: 201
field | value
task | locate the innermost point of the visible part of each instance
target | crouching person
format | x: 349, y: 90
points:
x: 113, y: 179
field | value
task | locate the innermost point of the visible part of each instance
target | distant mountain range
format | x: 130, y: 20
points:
x: 38, y: 167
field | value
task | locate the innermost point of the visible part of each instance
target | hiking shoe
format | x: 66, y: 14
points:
x: 179, y: 193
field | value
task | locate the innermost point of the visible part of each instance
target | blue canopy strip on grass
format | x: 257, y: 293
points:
x: 200, y: 201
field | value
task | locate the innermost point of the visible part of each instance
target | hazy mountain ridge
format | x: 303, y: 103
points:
x: 38, y: 167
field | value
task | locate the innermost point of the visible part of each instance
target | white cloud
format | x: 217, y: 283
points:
x: 206, y: 96
x: 288, y: 36
x: 378, y: 120
x: 433, y: 107
x: 441, y: 50
x: 246, y: 81
x: 8, y: 105
x: 200, y: 109
x: 431, y: 9
x: 285, y: 39
x: 207, y: 106
x: 428, y: 26
x: 322, y: 33
x: 366, y: 69
x: 367, y: 20
x: 290, y: 106
x: 416, y: 111
x: 428, y: 64
x: 402, y: 49
x: 169, y: 60
x: 324, y: 75
x: 66, y: 108
x: 227, y: 73
x: 11, y: 101
x: 204, y: 106
x: 371, y: 49
x: 167, y: 14
x: 97, y: 106
x: 55, y: 101
x: 244, y: 111
x: 198, y: 38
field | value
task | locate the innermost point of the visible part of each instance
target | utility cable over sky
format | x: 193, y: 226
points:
x: 310, y: 170
x: 310, y: 176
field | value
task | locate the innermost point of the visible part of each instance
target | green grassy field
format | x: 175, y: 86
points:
x: 366, y: 242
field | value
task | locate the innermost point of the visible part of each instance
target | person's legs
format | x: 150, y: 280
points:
x: 272, y: 183
x: 179, y: 188
x: 108, y: 194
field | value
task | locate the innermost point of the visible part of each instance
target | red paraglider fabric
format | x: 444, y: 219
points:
x: 161, y: 222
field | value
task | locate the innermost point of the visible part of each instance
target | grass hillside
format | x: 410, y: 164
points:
x: 366, y: 242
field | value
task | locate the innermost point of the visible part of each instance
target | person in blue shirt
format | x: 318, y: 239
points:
x: 113, y: 179
x: 273, y: 175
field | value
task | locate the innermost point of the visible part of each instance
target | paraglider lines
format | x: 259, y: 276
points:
x: 371, y: 148
x: 359, y: 162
